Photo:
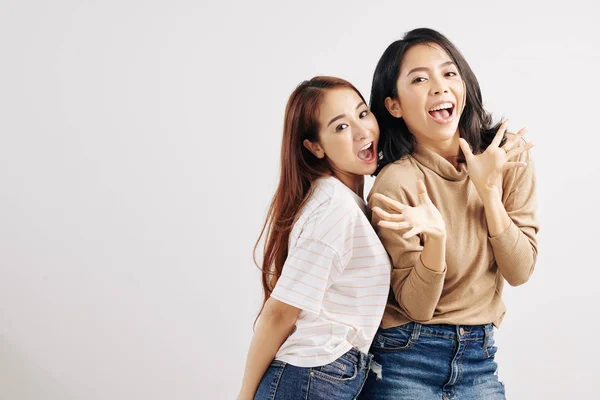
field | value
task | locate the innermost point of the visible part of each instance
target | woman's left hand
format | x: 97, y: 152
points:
x: 485, y: 169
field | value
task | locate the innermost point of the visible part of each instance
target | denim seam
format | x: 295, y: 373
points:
x: 332, y: 379
x: 455, y: 372
x: 487, y: 353
x: 462, y: 356
x: 486, y: 345
x: 307, y: 387
x: 394, y: 347
x: 339, y: 365
x: 414, y: 337
x: 366, y: 373
x: 277, y: 379
x: 437, y: 335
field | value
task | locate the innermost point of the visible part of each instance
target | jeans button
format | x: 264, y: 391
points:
x: 462, y: 331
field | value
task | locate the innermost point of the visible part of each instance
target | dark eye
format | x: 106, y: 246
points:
x: 451, y: 73
x: 418, y: 80
x: 341, y: 127
x: 363, y: 114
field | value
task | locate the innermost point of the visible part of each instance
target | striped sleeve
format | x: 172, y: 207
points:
x: 306, y: 275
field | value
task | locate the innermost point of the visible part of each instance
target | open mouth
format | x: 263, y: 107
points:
x: 367, y: 153
x: 442, y: 112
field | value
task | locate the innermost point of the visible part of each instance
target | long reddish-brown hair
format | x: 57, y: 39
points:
x: 299, y: 169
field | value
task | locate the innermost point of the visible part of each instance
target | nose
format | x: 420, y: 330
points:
x: 361, y: 132
x: 438, y: 86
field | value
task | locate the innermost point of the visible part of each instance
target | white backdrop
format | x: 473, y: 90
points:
x: 139, y: 149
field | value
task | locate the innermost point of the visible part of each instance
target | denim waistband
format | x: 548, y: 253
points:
x: 454, y: 332
x: 357, y: 357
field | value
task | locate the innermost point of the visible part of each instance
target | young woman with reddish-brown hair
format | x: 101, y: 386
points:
x: 325, y: 273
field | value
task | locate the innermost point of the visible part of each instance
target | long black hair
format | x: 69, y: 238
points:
x: 395, y: 140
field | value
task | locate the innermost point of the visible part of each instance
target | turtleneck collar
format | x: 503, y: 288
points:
x: 439, y: 164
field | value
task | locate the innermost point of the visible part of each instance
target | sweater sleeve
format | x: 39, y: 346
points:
x: 516, y: 248
x: 417, y: 289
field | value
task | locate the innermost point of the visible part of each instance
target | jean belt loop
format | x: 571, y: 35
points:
x: 489, y: 330
x: 416, y: 332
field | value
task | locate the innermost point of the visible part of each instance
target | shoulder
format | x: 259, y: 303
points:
x: 398, y: 177
x: 330, y: 207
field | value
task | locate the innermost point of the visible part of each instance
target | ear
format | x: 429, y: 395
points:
x: 314, y: 148
x: 393, y: 107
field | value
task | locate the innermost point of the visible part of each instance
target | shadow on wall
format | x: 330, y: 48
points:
x: 21, y: 378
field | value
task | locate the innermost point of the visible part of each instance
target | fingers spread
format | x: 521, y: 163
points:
x: 411, y: 233
x: 518, y: 150
x: 513, y: 165
x: 466, y: 149
x: 396, y: 205
x: 387, y: 216
x: 499, y: 135
x: 393, y: 225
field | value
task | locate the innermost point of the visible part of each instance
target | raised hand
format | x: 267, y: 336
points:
x: 424, y: 218
x: 486, y: 169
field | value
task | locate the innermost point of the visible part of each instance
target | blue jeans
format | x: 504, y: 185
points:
x: 423, y: 362
x: 341, y: 379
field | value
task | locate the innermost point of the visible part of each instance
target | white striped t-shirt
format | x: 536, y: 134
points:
x: 337, y: 273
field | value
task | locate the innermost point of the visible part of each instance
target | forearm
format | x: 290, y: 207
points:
x: 495, y: 213
x: 421, y: 291
x: 433, y: 255
x: 514, y: 253
x: 271, y: 331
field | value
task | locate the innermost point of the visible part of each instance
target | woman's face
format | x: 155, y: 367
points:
x: 431, y: 94
x: 348, y: 134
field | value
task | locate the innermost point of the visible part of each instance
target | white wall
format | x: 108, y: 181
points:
x: 139, y: 148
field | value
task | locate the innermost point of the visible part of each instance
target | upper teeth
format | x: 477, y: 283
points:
x: 441, y: 106
x: 366, y: 146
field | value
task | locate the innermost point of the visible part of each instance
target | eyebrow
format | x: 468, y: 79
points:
x: 427, y: 69
x: 362, y: 103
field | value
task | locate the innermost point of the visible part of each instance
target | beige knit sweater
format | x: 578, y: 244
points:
x: 468, y: 291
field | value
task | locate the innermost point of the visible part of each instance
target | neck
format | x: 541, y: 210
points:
x: 356, y: 183
x: 448, y: 149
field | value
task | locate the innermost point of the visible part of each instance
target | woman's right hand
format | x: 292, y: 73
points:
x: 424, y: 218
